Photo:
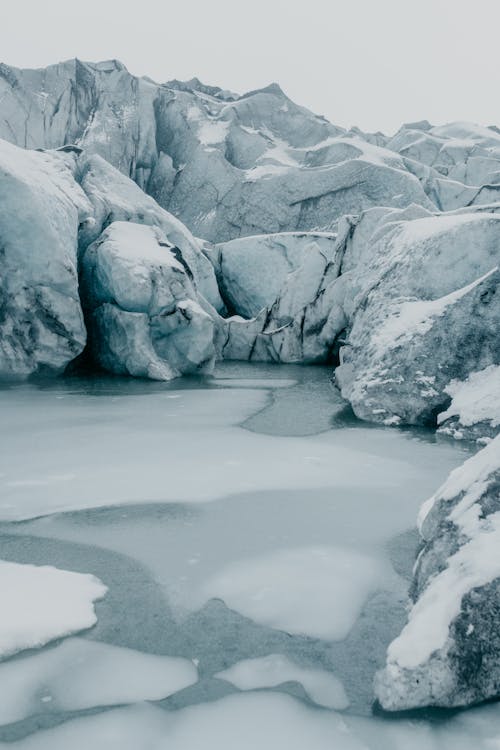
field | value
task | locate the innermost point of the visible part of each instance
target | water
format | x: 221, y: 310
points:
x: 232, y: 518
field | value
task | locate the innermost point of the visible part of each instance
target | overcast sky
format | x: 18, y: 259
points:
x: 372, y: 63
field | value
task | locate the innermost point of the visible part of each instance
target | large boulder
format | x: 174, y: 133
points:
x: 422, y: 310
x: 142, y: 309
x: 252, y: 271
x: 449, y: 652
x: 297, y: 277
x: 41, y: 206
x: 114, y: 197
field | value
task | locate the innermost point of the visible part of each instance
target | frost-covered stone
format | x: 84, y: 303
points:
x: 225, y: 165
x: 41, y: 321
x: 300, y: 283
x: 115, y: 197
x: 423, y: 311
x: 474, y: 412
x: 252, y: 271
x: 449, y: 652
x: 142, y: 309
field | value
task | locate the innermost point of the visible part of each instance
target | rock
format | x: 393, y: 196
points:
x: 474, y: 412
x: 41, y: 321
x: 225, y: 165
x: 449, y: 652
x: 143, y: 312
x: 422, y: 311
x: 303, y: 322
x: 252, y: 271
x: 115, y: 197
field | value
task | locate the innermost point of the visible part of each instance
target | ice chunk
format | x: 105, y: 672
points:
x: 315, y: 591
x: 321, y: 686
x: 43, y: 603
x: 80, y: 674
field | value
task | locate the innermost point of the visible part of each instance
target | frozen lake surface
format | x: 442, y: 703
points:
x: 256, y: 542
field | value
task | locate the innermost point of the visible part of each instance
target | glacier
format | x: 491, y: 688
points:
x: 160, y: 230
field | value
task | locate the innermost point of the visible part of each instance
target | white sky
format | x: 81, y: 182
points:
x: 372, y: 63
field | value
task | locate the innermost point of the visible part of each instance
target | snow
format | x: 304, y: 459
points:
x: 212, y: 132
x: 268, y: 721
x: 80, y: 674
x: 470, y: 479
x: 43, y: 603
x: 476, y: 399
x: 316, y: 591
x: 409, y: 319
x: 476, y: 563
x: 321, y: 686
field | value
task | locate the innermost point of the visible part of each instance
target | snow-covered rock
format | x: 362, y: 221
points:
x: 41, y: 321
x: 226, y: 165
x: 40, y: 603
x: 449, y: 652
x: 114, y: 197
x: 144, y: 315
x: 474, y: 412
x: 422, y: 310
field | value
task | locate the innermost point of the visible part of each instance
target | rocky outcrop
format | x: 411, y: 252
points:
x: 422, y: 311
x: 449, y: 652
x: 142, y: 310
x: 41, y: 321
x: 225, y: 165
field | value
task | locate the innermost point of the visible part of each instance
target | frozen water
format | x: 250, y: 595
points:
x: 79, y: 674
x: 39, y: 604
x: 315, y: 591
x: 268, y: 721
x: 269, y: 671
x: 76, y: 444
x: 302, y: 500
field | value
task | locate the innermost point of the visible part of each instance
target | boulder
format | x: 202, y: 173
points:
x: 449, y: 652
x: 143, y: 312
x: 41, y: 321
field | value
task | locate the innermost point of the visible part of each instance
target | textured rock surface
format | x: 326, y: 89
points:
x: 474, y: 412
x: 252, y: 271
x: 226, y: 165
x: 449, y: 652
x: 142, y: 309
x: 422, y: 310
x: 41, y: 321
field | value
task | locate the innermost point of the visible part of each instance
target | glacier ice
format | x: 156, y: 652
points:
x: 41, y: 321
x: 143, y: 313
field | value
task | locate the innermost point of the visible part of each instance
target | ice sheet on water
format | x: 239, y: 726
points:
x: 268, y: 721
x: 80, y: 674
x: 40, y: 603
x: 87, y: 448
x: 315, y: 591
x: 321, y: 686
